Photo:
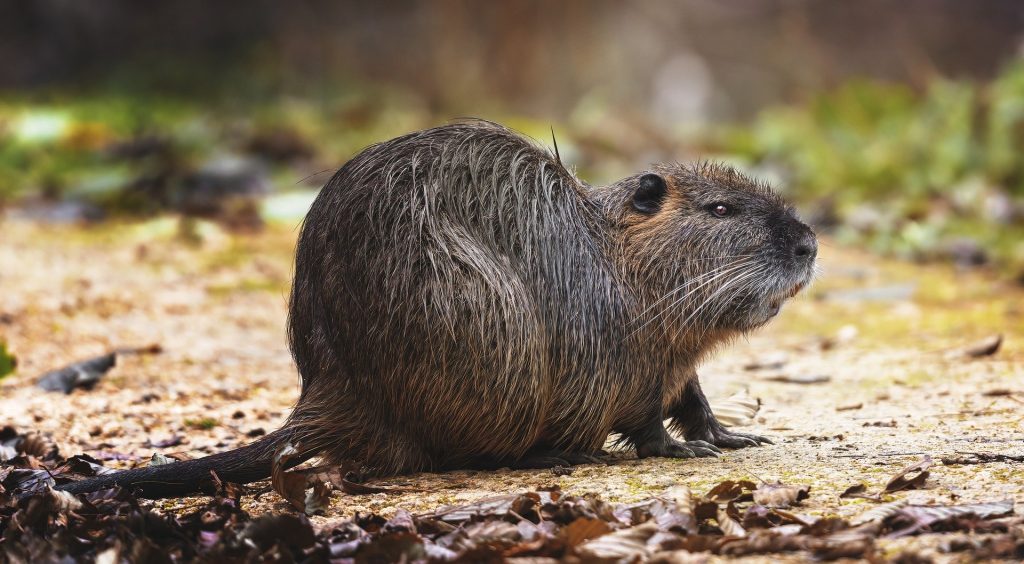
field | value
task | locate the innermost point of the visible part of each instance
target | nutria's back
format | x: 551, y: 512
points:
x: 452, y: 287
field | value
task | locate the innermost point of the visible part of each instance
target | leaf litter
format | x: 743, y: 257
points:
x: 734, y: 518
x: 87, y: 373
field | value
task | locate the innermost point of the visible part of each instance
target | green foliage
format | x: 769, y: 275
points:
x: 205, y: 423
x: 108, y: 148
x: 7, y: 361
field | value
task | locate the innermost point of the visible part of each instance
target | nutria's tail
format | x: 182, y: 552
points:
x: 245, y: 464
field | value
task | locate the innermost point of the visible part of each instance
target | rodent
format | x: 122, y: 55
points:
x: 461, y: 299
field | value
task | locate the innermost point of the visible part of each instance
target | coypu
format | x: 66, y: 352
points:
x: 462, y: 300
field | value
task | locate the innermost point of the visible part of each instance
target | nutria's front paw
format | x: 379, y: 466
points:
x: 678, y: 449
x: 721, y: 437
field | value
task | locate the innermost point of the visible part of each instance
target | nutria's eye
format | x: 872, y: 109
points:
x: 720, y: 210
x: 649, y: 195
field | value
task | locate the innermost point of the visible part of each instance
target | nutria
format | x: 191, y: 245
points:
x: 461, y: 299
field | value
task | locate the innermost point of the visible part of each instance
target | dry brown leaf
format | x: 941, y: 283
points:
x: 339, y: 477
x: 623, y: 545
x: 878, y: 513
x: 682, y: 514
x: 919, y: 517
x: 768, y: 362
x: 780, y: 495
x: 584, y: 529
x: 729, y: 526
x: 859, y: 491
x: 854, y: 491
x: 980, y: 458
x: 736, y: 410
x: 911, y: 477
x: 730, y: 490
x: 985, y: 347
x: 159, y: 459
x: 291, y: 485
x: 63, y: 502
x: 318, y: 500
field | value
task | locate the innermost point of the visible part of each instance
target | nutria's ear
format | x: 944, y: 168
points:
x: 650, y: 193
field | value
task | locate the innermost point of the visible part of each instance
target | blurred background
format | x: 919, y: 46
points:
x: 897, y: 126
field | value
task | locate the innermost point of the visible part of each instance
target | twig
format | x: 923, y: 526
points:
x: 877, y: 454
x: 981, y: 458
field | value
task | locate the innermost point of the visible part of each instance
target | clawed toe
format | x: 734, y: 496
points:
x: 700, y: 448
x: 739, y: 440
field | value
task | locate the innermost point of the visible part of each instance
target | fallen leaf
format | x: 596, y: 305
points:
x: 736, y: 410
x: 160, y: 459
x: 85, y: 465
x: 174, y: 440
x: 584, y: 529
x: 522, y: 504
x: 913, y: 518
x: 730, y: 490
x: 627, y: 545
x: 780, y: 495
x: 291, y: 485
x: 84, y: 374
x: 911, y: 477
x: 859, y: 491
x: 681, y: 514
x: 850, y: 543
x: 402, y: 521
x: 981, y: 458
x: 985, y: 347
x: 318, y: 500
x: 729, y: 526
x: 767, y: 362
x: 878, y: 513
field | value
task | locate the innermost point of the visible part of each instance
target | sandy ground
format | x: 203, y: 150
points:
x: 884, y: 334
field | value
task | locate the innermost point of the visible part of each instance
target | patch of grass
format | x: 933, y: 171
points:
x: 205, y: 423
x: 7, y: 360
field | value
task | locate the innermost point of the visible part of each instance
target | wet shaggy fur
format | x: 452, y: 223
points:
x: 462, y: 299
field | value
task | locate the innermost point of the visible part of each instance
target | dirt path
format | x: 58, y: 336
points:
x: 880, y: 332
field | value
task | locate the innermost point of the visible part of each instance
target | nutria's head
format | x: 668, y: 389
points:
x: 707, y: 249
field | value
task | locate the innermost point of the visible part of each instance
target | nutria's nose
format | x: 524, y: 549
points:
x: 807, y: 247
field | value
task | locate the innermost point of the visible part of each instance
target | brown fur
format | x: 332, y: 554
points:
x: 461, y: 299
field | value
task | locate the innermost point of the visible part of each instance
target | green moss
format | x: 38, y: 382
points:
x: 636, y: 485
